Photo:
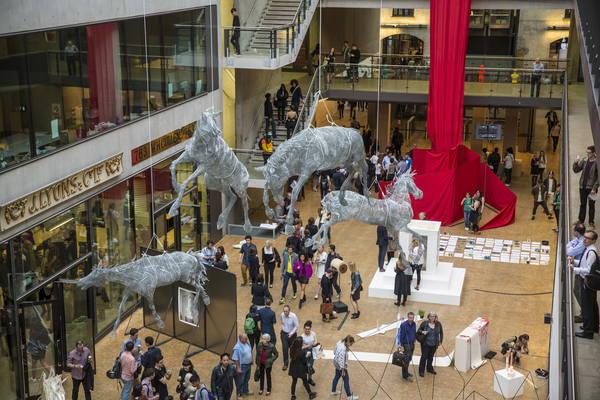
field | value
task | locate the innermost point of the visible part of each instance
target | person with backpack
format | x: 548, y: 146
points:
x: 202, y: 392
x: 221, y: 381
x: 266, y: 354
x: 589, y: 303
x: 147, y: 389
x: 76, y: 360
x: 147, y: 359
x: 251, y: 325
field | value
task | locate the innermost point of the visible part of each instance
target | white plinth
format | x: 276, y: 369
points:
x: 508, y: 387
x: 441, y: 283
x: 443, y: 288
x: 471, y: 344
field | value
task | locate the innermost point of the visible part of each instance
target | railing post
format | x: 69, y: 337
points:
x: 275, y: 55
x: 226, y: 36
x: 288, y: 47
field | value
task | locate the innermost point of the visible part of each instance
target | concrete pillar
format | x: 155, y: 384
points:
x: 511, y: 123
x: 379, y: 123
x: 478, y: 118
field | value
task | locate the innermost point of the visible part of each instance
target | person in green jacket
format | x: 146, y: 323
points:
x: 556, y: 205
x: 266, y: 354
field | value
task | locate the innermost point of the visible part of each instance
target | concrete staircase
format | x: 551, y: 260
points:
x: 277, y: 13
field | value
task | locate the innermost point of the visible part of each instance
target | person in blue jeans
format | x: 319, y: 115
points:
x: 434, y: 336
x: 287, y: 271
x: 340, y: 361
x: 242, y: 357
x: 466, y: 203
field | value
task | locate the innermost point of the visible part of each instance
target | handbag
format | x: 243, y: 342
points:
x: 392, y: 245
x: 327, y: 308
x: 257, y: 375
x: 420, y: 336
x: 317, y: 352
x: 400, y: 359
x: 311, y: 370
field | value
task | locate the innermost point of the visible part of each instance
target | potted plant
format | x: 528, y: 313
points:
x: 422, y: 313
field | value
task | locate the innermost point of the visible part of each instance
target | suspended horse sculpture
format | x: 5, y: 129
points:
x: 223, y: 171
x: 394, y: 212
x: 308, y: 151
x: 143, y: 276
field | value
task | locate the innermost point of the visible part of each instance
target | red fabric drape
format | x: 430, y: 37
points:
x: 448, y: 34
x: 457, y: 171
x: 104, y: 73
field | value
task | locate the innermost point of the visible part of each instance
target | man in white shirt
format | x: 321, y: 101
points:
x: 575, y: 249
x: 289, y: 327
x: 589, y: 303
x: 536, y: 77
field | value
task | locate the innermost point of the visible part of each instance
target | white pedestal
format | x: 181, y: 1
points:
x: 508, y: 387
x: 441, y: 283
x: 471, y: 344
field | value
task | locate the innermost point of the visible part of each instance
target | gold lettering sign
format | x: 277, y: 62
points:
x: 161, y: 144
x: 52, y: 195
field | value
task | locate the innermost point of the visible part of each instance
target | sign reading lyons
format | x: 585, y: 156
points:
x: 20, y: 210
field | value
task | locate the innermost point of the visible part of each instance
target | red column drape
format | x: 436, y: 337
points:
x: 104, y: 73
x: 448, y: 35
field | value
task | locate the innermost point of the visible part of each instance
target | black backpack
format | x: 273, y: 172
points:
x: 115, y: 372
x: 324, y: 180
x: 592, y: 281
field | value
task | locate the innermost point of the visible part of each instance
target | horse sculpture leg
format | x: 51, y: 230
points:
x: 289, y: 227
x: 159, y: 320
x: 323, y: 230
x: 244, y: 198
x: 221, y: 186
x: 113, y: 334
x: 342, y: 198
x: 180, y: 188
x: 268, y: 210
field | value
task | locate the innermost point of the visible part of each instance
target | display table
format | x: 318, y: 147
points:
x: 508, y: 386
x: 471, y: 344
x: 441, y: 283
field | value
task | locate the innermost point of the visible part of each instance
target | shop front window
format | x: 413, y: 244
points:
x: 163, y: 186
x: 8, y: 336
x: 78, y: 325
x: 46, y: 249
x: 15, y: 126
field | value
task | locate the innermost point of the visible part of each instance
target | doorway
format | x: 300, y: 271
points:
x: 41, y: 342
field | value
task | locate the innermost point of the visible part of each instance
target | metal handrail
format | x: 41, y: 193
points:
x: 280, y: 27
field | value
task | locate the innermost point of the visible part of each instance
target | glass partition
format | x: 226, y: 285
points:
x: 15, y: 129
x: 88, y: 80
x: 47, y: 248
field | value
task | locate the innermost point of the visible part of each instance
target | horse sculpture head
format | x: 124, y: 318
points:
x: 95, y: 278
x: 405, y: 184
x: 276, y: 176
x: 207, y: 130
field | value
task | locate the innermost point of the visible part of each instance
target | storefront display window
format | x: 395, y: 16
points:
x: 87, y: 80
x: 142, y: 189
x: 15, y: 126
x: 46, y: 249
x: 163, y: 186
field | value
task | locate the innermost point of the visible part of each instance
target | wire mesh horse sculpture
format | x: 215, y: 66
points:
x: 143, y: 276
x: 394, y: 212
x: 223, y: 171
x: 310, y: 150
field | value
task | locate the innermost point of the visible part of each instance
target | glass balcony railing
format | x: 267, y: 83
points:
x: 487, y: 82
x: 265, y: 42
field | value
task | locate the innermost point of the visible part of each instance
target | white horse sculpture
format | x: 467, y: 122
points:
x: 394, y: 212
x: 143, y: 276
x: 223, y: 171
x: 308, y: 151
